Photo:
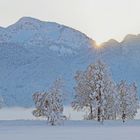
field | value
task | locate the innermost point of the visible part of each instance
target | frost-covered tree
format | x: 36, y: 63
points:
x: 128, y: 100
x: 39, y: 100
x: 95, y: 91
x: 111, y: 109
x: 1, y: 102
x: 134, y: 101
x: 50, y: 104
x: 83, y: 94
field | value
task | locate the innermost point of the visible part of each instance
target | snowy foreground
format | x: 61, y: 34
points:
x: 19, y: 124
x: 18, y: 113
x: 71, y: 130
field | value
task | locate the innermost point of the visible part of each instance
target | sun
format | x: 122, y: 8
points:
x: 98, y: 45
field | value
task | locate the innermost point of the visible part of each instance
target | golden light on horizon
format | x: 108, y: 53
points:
x: 97, y: 45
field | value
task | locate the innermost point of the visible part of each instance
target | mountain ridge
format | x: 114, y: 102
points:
x: 23, y: 20
x: 33, y: 55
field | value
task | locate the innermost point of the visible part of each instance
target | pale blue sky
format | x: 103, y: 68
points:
x: 99, y: 19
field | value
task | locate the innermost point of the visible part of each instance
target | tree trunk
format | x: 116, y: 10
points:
x: 99, y: 108
x: 91, y: 113
x: 99, y: 114
x: 123, y: 117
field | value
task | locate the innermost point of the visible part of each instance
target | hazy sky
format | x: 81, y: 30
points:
x: 99, y: 19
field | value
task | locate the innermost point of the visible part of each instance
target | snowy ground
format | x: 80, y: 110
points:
x: 18, y: 113
x: 19, y: 124
x: 71, y: 130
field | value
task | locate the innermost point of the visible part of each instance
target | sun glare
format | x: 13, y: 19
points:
x: 98, y: 45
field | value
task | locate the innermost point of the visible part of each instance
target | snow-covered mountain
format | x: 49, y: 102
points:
x: 33, y: 53
x: 123, y: 58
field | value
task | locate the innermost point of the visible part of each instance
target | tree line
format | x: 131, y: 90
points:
x: 95, y: 93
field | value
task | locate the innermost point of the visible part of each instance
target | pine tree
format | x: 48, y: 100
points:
x: 50, y: 104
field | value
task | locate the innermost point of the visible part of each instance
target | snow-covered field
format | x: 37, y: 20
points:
x: 18, y: 113
x: 19, y: 124
x: 71, y: 130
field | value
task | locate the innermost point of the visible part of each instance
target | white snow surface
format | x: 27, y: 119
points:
x: 70, y: 130
x: 20, y: 113
x: 19, y: 124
